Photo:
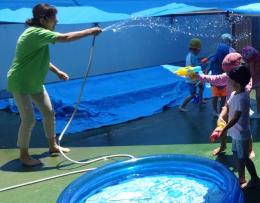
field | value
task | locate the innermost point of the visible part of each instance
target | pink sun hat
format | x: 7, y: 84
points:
x: 230, y: 61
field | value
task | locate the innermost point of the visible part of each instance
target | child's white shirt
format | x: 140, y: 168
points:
x: 239, y: 102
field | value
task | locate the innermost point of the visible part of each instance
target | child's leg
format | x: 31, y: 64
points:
x: 240, y: 170
x: 243, y: 156
x: 257, y: 90
x: 251, y: 151
x: 215, y: 95
x: 239, y: 162
x: 186, y: 101
x: 223, y: 145
x: 215, y: 105
x: 43, y: 102
x: 222, y: 101
x: 201, y: 90
x: 192, y: 88
x: 251, y: 169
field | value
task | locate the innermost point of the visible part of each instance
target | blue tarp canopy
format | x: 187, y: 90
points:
x: 89, y: 11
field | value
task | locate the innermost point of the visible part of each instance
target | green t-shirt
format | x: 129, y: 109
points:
x: 31, y: 62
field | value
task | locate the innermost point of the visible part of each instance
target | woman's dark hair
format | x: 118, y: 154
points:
x: 41, y: 11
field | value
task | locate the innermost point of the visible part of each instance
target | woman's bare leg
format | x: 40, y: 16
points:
x: 24, y: 105
x: 43, y: 102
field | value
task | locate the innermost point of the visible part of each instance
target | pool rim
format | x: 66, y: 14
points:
x: 144, y: 164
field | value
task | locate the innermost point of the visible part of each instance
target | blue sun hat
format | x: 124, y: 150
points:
x: 227, y: 38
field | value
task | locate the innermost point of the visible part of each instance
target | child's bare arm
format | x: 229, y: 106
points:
x: 232, y: 121
x: 223, y: 114
x: 218, y: 80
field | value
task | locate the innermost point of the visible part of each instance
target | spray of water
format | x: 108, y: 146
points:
x: 145, y: 22
x: 207, y: 27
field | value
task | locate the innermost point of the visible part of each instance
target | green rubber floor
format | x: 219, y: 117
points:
x: 169, y: 132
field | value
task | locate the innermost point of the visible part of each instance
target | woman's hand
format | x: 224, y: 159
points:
x: 62, y: 75
x: 95, y: 30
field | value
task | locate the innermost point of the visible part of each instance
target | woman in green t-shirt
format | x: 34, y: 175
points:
x: 27, y: 74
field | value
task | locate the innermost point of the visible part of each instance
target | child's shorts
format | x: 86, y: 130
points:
x: 241, y: 148
x: 219, y: 91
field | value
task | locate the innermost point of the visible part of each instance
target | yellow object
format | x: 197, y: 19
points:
x: 221, y: 123
x: 188, y: 71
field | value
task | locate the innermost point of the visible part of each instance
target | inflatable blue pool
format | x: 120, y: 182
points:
x: 160, y: 178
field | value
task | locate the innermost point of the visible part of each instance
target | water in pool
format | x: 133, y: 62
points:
x: 160, y: 189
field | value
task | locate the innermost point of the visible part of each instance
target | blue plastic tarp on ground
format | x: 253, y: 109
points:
x: 114, y: 98
x: 80, y: 11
